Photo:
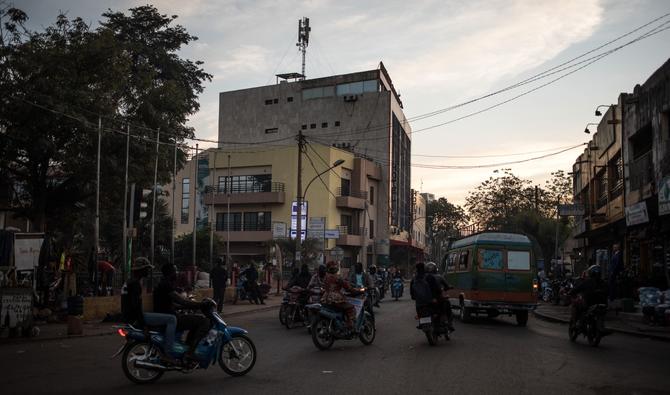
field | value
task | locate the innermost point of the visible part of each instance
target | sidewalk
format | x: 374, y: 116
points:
x: 55, y: 331
x: 626, y: 323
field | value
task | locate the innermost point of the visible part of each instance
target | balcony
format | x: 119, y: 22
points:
x: 350, y: 236
x: 263, y: 193
x: 347, y: 198
x: 641, y: 172
x: 244, y: 233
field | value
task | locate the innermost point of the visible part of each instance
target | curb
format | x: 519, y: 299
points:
x: 550, y: 318
x: 27, y: 340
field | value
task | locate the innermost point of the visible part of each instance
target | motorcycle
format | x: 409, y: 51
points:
x: 563, y: 295
x: 397, y: 288
x: 328, y: 324
x: 241, y: 290
x: 295, y: 308
x: 229, y: 346
x: 431, y: 322
x: 283, y: 309
x: 547, y: 291
x: 591, y: 324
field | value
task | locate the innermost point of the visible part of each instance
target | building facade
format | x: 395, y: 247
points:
x: 248, y: 197
x: 358, y: 112
x: 623, y: 180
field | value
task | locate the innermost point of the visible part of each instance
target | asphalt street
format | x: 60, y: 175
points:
x: 489, y: 356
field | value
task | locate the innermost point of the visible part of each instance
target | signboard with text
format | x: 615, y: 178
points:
x: 570, y: 210
x: 637, y: 214
x: 294, y: 220
x: 664, y: 196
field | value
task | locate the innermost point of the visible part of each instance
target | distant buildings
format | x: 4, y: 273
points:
x: 623, y: 180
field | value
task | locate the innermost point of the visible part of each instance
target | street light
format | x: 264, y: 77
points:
x: 586, y: 129
x: 335, y: 164
x: 598, y: 113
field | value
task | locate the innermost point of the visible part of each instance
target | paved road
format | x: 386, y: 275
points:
x: 487, y: 357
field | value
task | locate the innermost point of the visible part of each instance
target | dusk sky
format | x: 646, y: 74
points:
x: 438, y: 53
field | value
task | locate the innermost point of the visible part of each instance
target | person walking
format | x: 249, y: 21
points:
x: 614, y: 270
x: 219, y: 278
x: 251, y: 274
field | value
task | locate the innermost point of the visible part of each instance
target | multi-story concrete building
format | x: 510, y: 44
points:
x: 623, y: 180
x: 359, y: 112
x: 260, y: 187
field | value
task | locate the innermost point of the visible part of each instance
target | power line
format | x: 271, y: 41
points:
x: 319, y: 175
x: 321, y: 157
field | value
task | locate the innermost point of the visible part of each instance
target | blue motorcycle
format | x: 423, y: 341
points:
x: 230, y: 346
x: 397, y: 288
x: 328, y: 324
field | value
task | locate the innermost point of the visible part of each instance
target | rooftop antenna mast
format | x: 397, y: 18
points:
x: 303, y: 40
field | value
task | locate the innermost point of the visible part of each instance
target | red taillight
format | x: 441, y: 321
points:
x: 122, y: 332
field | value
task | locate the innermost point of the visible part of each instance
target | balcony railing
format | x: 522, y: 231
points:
x: 641, y: 172
x: 247, y: 188
x: 352, y: 193
x: 350, y: 230
x: 222, y: 226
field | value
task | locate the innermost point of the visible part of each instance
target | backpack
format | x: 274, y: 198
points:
x: 421, y: 291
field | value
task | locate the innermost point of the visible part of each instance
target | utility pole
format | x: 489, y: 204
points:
x: 228, y: 184
x: 131, y: 224
x: 96, y: 227
x: 195, y: 201
x: 174, y: 190
x: 211, y: 216
x: 153, y: 206
x: 125, y: 208
x: 298, y: 226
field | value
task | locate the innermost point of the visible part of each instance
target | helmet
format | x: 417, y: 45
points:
x: 331, y: 267
x: 431, y: 267
x: 594, y: 271
x: 373, y: 269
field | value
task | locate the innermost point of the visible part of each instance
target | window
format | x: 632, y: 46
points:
x: 337, y: 123
x: 356, y: 88
x: 275, y: 101
x: 185, y: 199
x: 463, y: 259
x: 518, y: 260
x: 245, y: 184
x: 372, y: 195
x: 268, y: 102
x: 345, y: 187
x: 451, y: 261
x: 490, y: 259
x: 257, y: 221
x: 324, y: 124
x: 303, y: 127
x: 315, y: 93
x: 346, y: 220
x: 271, y: 130
x: 289, y: 99
x: 234, y: 220
x: 372, y: 229
x: 312, y: 126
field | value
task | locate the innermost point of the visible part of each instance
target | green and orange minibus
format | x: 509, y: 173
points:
x: 492, y: 273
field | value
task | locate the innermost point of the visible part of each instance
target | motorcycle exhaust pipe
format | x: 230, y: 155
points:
x: 154, y: 366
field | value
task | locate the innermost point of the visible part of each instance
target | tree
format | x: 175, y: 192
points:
x: 445, y: 218
x: 62, y: 81
x: 184, y: 249
x: 310, y: 250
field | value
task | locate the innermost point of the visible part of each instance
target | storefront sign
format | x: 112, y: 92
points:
x: 332, y: 234
x: 664, y: 196
x: 16, y: 307
x: 637, y: 214
x: 570, y: 210
x: 27, y: 250
x: 294, y: 220
x: 316, y: 227
x: 278, y: 230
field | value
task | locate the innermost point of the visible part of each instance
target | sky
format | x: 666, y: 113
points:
x: 438, y: 53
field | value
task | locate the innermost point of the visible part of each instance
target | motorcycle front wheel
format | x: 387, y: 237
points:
x: 238, y: 356
x: 282, y: 313
x: 140, y: 352
x: 368, y: 332
x: 321, y: 335
x: 572, y: 331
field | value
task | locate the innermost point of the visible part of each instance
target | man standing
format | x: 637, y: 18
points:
x: 251, y: 274
x: 219, y: 278
x: 614, y: 270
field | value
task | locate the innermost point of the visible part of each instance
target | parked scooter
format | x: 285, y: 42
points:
x: 328, y: 324
x: 227, y: 345
x: 397, y: 288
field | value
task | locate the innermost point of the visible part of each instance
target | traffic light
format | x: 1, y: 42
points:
x: 144, y: 203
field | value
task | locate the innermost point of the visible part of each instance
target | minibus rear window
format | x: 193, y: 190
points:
x: 491, y: 259
x: 518, y: 260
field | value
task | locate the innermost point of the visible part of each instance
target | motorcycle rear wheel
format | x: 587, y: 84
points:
x: 321, y: 336
x: 240, y: 359
x: 431, y: 336
x: 133, y: 352
x: 593, y: 336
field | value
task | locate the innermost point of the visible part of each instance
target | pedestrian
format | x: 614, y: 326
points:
x: 251, y: 273
x: 219, y: 278
x: 614, y: 270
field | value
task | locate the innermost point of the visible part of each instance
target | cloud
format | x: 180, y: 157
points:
x: 242, y: 59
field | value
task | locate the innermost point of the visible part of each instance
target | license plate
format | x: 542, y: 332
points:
x: 425, y: 320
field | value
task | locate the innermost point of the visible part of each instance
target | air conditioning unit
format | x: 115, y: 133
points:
x: 350, y: 98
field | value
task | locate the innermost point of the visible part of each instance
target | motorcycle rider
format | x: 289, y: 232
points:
x: 443, y: 303
x: 131, y: 307
x: 424, y: 289
x: 374, y: 280
x: 317, y: 279
x: 333, y: 285
x: 358, y: 277
x: 166, y: 298
x: 593, y: 290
